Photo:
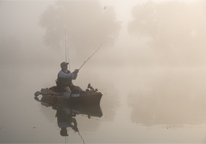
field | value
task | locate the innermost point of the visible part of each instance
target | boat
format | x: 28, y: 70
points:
x: 88, y: 97
x: 87, y: 110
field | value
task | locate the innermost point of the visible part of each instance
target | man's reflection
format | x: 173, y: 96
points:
x: 65, y: 119
x: 66, y: 114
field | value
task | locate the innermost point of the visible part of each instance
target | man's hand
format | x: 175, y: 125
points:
x: 76, y: 71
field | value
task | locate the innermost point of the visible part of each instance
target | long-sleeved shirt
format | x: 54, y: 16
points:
x: 67, y: 74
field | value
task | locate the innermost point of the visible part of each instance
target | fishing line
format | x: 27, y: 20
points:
x: 68, y: 137
x: 81, y: 137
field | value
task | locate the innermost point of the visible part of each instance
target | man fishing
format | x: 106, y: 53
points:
x: 65, y: 77
x: 64, y: 80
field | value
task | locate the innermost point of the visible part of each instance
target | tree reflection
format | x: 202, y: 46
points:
x: 87, y: 24
x: 175, y: 29
x: 172, y: 99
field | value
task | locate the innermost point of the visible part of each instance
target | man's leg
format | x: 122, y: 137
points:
x: 77, y: 88
x: 67, y: 93
x: 67, y: 89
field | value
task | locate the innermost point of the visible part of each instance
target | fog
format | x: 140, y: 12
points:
x: 175, y: 30
x: 150, y: 66
x: 137, y: 33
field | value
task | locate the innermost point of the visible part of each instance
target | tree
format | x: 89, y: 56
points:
x: 87, y: 25
x: 176, y: 31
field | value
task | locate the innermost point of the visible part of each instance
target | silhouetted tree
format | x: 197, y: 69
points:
x: 87, y: 24
x: 176, y: 30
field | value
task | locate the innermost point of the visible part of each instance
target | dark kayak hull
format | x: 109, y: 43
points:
x: 85, y: 98
x: 88, y: 110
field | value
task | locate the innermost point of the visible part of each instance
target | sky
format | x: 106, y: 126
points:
x: 20, y: 19
x: 30, y: 10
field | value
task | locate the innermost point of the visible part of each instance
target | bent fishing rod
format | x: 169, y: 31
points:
x: 90, y: 57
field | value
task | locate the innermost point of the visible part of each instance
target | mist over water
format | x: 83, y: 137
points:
x: 150, y: 69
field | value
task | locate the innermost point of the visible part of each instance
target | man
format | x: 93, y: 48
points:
x: 66, y: 120
x: 64, y: 80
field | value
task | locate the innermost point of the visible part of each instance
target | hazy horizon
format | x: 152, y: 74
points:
x: 23, y: 38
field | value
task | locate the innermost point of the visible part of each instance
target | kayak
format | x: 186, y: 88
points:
x: 87, y: 110
x: 88, y: 97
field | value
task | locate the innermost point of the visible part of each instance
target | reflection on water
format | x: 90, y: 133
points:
x: 66, y: 115
x: 23, y: 120
x: 139, y: 106
x: 171, y: 98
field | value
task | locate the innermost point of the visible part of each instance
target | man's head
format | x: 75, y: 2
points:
x: 63, y: 65
x: 63, y: 132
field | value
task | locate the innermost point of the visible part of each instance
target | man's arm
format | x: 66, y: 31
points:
x: 64, y: 75
x: 75, y: 74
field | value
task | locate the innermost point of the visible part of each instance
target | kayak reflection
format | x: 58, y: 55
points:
x: 66, y: 114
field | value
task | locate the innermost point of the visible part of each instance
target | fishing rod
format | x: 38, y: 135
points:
x: 90, y: 56
x: 67, y: 48
x: 65, y: 44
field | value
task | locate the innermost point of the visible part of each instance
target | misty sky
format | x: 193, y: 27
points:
x: 20, y: 26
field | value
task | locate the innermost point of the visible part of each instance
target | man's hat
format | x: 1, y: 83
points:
x: 64, y: 64
x: 63, y: 132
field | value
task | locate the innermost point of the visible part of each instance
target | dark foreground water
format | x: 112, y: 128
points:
x: 138, y: 106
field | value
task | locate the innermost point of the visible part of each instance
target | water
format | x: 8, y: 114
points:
x: 147, y: 105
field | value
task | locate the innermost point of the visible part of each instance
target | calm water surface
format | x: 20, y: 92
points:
x: 138, y: 106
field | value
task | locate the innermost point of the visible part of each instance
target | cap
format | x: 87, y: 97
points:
x: 63, y: 64
x: 63, y: 132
